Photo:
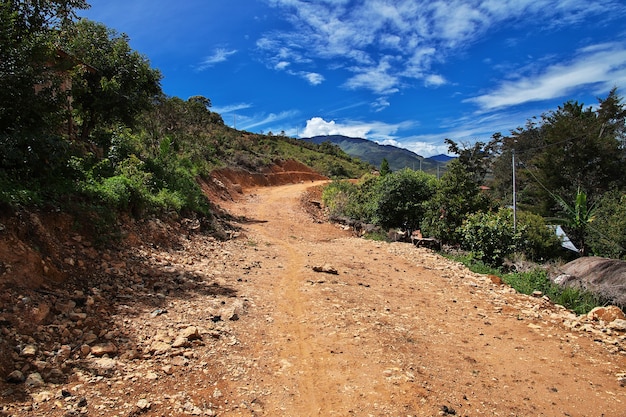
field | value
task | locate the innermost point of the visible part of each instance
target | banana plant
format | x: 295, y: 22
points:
x: 577, y: 218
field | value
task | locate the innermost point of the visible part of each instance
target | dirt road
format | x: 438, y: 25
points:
x: 248, y: 327
x: 402, y: 332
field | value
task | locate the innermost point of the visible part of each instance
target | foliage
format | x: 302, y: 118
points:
x: 395, y: 200
x: 30, y: 98
x: 564, y: 150
x: 576, y: 219
x: 401, y: 198
x: 118, y: 84
x: 490, y: 236
x: 579, y: 301
x: 537, y: 241
x: 339, y: 197
x: 457, y: 196
x: 607, y: 235
x: 384, y: 167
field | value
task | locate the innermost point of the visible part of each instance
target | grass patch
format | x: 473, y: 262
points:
x: 577, y: 300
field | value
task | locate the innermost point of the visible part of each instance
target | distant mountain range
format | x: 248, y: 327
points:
x: 374, y: 153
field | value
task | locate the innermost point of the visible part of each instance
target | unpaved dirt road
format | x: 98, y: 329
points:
x: 402, y: 332
x: 249, y: 328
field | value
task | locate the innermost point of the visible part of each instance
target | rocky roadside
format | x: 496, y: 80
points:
x: 131, y: 319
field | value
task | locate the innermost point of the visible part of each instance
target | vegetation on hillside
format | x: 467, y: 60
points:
x: 84, y: 124
x: 569, y: 167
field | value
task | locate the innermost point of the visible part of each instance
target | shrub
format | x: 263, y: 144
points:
x: 489, y: 236
x: 536, y: 240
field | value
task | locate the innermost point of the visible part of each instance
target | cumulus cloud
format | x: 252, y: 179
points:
x: 599, y: 64
x: 379, y: 131
x: 219, y: 55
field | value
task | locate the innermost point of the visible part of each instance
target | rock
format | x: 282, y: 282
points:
x: 190, y: 333
x: 41, y: 397
x: 143, y: 404
x: 159, y: 348
x: 537, y: 294
x: 16, y: 377
x: 168, y: 369
x: 64, y: 353
x: 606, y: 314
x: 618, y: 325
x: 495, y: 279
x: 104, y: 349
x: 104, y: 366
x: 326, y: 268
x: 179, y: 361
x: 34, y: 380
x: 85, y: 350
x: 233, y: 311
x: 29, y: 351
x: 180, y: 342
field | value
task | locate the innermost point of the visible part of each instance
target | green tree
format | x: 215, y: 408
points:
x: 401, y: 198
x: 384, y: 167
x: 122, y: 85
x: 489, y: 236
x: 30, y: 98
x: 607, y: 235
x: 458, y: 192
x: 570, y: 148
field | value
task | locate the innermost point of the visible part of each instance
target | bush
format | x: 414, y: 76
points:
x: 537, y: 240
x: 607, y: 233
x: 489, y: 236
x: 338, y: 196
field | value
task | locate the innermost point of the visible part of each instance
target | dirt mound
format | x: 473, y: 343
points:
x: 229, y: 183
x: 602, y: 276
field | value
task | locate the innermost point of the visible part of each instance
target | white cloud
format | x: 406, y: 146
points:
x: 263, y: 121
x: 351, y: 35
x: 377, y: 79
x: 219, y: 55
x: 425, y: 149
x: 317, y: 126
x: 231, y: 108
x: 312, y: 77
x: 434, y: 80
x: 599, y: 64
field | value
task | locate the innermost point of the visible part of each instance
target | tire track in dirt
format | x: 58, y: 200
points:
x: 402, y: 331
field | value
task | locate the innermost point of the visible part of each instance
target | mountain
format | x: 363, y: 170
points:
x: 441, y: 158
x: 374, y: 153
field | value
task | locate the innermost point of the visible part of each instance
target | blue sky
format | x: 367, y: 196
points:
x: 404, y: 72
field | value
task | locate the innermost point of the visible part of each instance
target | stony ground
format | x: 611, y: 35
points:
x: 295, y: 317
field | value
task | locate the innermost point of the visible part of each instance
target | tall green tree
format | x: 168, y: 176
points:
x: 570, y: 148
x: 30, y: 97
x: 384, y: 167
x: 121, y: 85
x: 458, y: 191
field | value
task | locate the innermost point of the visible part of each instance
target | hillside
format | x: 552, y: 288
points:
x: 374, y: 153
